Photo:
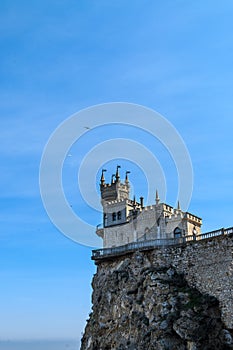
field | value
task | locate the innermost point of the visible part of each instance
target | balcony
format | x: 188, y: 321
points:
x: 108, y: 253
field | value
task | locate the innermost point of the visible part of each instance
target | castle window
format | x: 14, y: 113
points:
x: 105, y: 220
x: 113, y: 216
x: 119, y: 215
x: 177, y: 232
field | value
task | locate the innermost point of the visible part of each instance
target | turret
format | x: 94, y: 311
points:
x: 116, y: 190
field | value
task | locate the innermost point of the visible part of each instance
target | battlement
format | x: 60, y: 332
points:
x: 115, y: 189
x: 193, y: 217
x: 148, y: 207
x: 116, y: 201
x: 167, y: 207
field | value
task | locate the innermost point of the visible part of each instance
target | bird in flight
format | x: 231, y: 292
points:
x: 87, y: 127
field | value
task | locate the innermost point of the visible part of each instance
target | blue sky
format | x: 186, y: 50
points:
x: 59, y: 57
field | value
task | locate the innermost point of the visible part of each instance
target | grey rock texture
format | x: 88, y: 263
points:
x: 142, y: 301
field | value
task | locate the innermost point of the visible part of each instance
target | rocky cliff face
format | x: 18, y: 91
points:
x: 139, y: 303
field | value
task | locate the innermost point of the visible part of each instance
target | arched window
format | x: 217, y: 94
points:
x: 113, y: 216
x: 177, y: 232
x: 194, y: 233
x: 119, y: 215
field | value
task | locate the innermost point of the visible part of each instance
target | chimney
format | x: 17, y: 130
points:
x: 141, y: 202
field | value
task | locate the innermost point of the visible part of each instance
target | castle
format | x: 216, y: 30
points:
x: 160, y: 282
x: 126, y: 220
x: 177, y: 297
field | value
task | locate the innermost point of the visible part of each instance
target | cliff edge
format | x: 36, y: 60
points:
x: 143, y: 301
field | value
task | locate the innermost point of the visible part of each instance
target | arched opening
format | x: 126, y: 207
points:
x: 177, y: 232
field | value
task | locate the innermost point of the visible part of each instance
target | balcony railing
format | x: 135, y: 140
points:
x: 105, y: 253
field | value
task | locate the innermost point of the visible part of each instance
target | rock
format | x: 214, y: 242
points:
x: 187, y: 328
x: 226, y: 337
x: 139, y: 304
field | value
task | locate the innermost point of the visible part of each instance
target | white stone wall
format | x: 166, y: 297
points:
x: 119, y: 235
x: 145, y: 225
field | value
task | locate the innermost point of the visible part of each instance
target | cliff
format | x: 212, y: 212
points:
x: 160, y: 300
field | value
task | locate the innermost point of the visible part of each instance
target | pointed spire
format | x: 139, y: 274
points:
x: 157, y: 200
x: 126, y: 177
x: 178, y: 205
x: 102, y: 180
x: 117, y: 173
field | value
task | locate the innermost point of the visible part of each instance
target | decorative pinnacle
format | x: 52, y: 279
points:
x: 178, y: 205
x: 126, y: 176
x: 157, y: 197
x: 117, y: 173
x: 102, y: 180
x: 134, y: 203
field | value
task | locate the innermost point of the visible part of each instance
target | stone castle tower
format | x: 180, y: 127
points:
x: 126, y: 220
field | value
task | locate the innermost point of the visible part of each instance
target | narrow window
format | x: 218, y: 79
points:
x: 119, y: 215
x: 113, y: 216
x: 105, y: 220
